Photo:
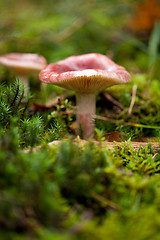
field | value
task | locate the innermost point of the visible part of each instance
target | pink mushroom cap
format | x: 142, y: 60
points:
x: 87, y: 73
x: 23, y: 62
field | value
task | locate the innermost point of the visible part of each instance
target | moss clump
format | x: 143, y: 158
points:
x: 78, y: 192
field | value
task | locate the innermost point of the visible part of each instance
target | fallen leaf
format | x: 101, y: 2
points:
x: 114, y: 136
x: 146, y: 14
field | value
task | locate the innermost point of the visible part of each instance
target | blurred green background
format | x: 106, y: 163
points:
x: 57, y: 29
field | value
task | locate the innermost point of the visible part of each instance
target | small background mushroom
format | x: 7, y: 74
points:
x: 23, y: 64
x: 87, y: 75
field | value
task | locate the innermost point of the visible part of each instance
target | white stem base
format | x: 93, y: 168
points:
x: 86, y: 109
x: 25, y: 81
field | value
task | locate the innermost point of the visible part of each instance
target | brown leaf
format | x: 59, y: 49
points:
x: 146, y: 14
x: 114, y: 136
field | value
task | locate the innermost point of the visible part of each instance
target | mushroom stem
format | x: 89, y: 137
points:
x: 25, y: 81
x: 86, y: 109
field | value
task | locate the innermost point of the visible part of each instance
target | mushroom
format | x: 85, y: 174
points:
x: 87, y: 75
x: 23, y: 64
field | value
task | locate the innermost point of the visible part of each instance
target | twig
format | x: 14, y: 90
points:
x: 134, y: 90
x: 154, y: 156
x: 125, y: 123
x: 78, y: 23
x: 108, y: 145
x: 105, y: 201
x: 113, y: 100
